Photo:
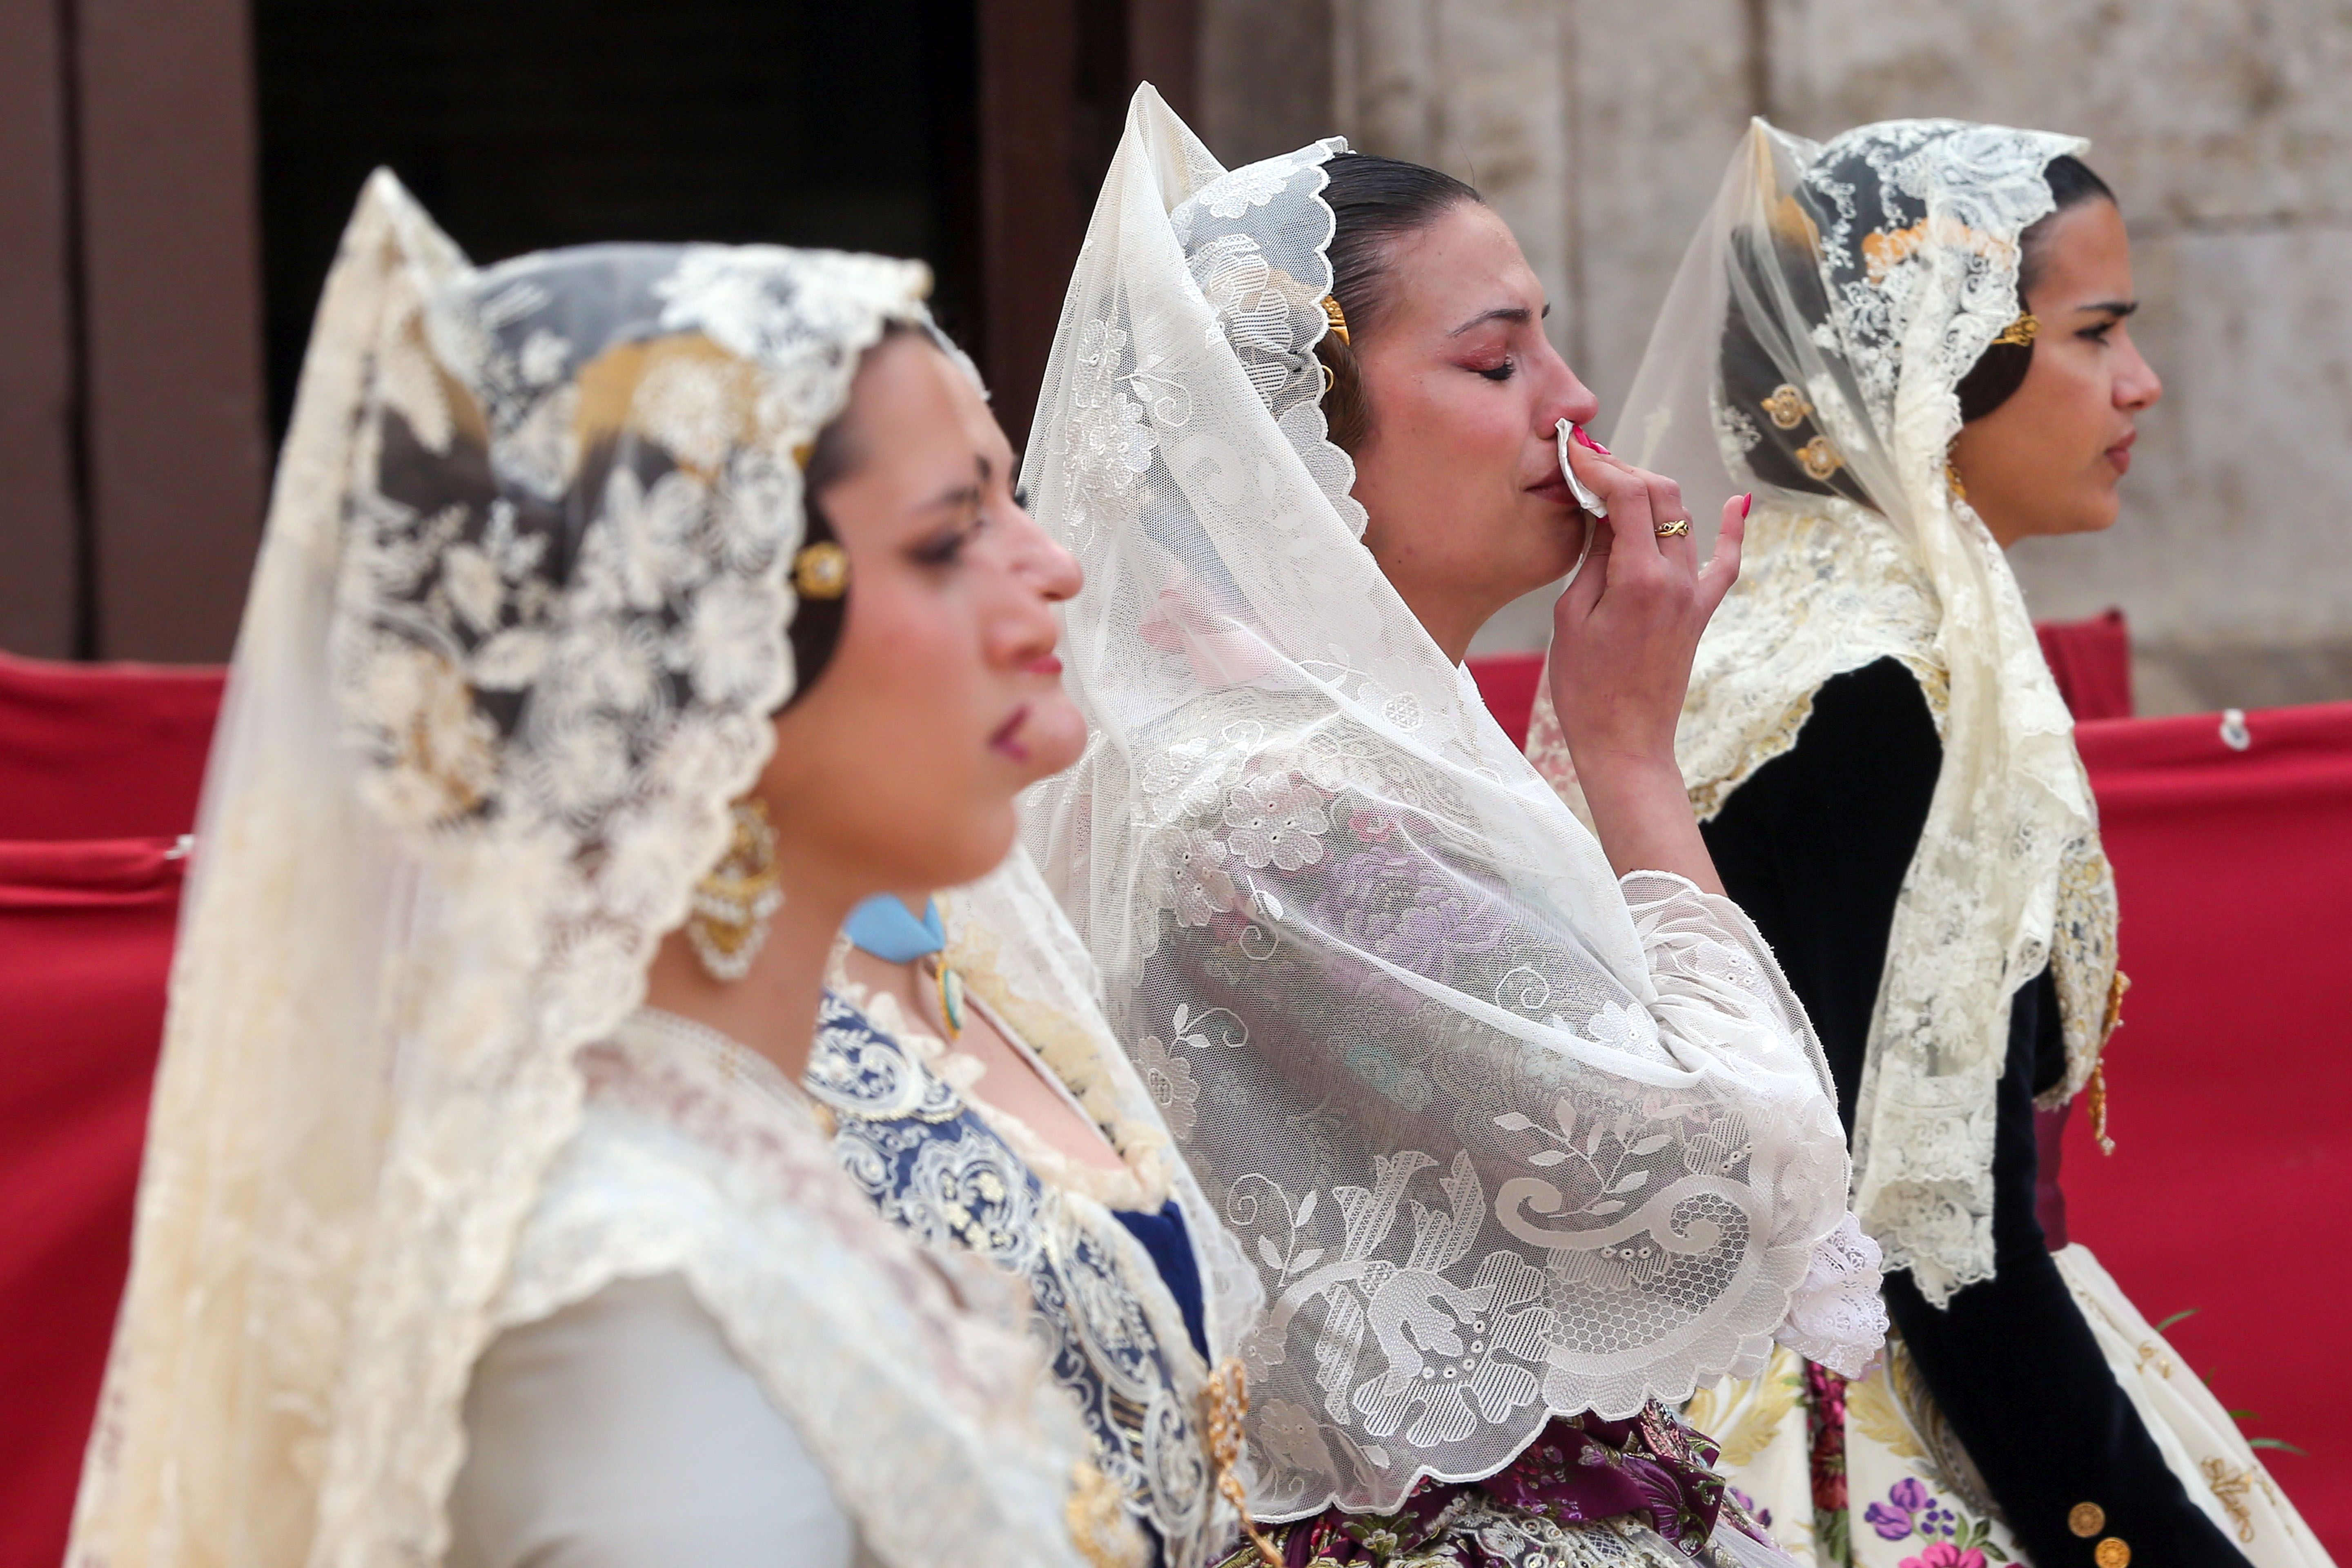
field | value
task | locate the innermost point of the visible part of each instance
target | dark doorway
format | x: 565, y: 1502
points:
x: 522, y: 125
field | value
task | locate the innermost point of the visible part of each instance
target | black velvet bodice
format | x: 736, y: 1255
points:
x: 1814, y: 846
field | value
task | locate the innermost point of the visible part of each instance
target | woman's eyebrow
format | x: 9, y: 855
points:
x: 965, y: 495
x: 1513, y: 314
x: 2118, y: 308
x: 957, y: 496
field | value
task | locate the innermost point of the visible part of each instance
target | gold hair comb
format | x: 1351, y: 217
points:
x: 1337, y: 318
x: 2021, y: 331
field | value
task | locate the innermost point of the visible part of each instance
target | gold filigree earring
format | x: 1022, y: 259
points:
x: 822, y: 570
x: 735, y: 899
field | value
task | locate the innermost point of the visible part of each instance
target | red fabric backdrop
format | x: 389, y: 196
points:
x: 85, y: 939
x: 102, y: 751
x: 98, y: 772
x: 2231, y: 1097
x: 2229, y: 1085
x: 2092, y: 660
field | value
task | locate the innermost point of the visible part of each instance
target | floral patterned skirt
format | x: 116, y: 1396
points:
x: 1587, y: 1493
x: 1867, y: 1472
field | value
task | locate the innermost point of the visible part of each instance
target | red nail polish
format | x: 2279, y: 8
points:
x: 1745, y: 502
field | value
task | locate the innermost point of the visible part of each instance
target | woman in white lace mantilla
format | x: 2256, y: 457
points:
x: 449, y: 1248
x: 1519, y: 1150
x: 1911, y: 342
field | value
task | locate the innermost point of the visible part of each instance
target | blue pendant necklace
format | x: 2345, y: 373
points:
x: 884, y: 927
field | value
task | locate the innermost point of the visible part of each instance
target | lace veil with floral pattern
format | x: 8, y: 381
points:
x: 514, y: 642
x: 1870, y: 273
x: 1503, y: 1138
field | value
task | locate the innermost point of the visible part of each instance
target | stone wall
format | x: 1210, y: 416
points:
x: 1600, y: 130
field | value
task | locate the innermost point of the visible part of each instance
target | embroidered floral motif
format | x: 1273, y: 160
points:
x: 1275, y: 821
x: 1188, y: 870
x: 1586, y: 1491
x: 1911, y: 1511
x: 1170, y: 1079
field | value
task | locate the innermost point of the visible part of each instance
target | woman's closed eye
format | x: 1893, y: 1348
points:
x: 1503, y: 371
x: 2111, y: 314
x: 945, y: 546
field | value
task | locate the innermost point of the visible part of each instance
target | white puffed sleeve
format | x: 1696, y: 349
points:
x: 1723, y: 1001
x: 623, y: 1433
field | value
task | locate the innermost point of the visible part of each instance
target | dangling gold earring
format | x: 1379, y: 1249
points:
x: 1952, y: 479
x: 734, y: 900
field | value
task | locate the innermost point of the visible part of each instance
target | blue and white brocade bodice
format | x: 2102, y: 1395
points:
x: 1114, y: 1332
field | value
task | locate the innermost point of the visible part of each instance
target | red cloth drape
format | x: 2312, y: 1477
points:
x: 2091, y: 659
x: 2231, y: 1084
x: 99, y: 766
x: 86, y: 935
x: 2092, y: 662
x: 101, y: 750
x: 1508, y: 682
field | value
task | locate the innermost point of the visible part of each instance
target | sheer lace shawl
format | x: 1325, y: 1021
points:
x: 696, y: 1158
x: 513, y: 641
x: 1914, y: 228
x: 1499, y: 1142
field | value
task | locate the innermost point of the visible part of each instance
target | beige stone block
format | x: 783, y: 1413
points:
x: 1386, y: 90
x: 1478, y: 88
x: 1662, y: 97
x: 1266, y: 78
x: 2201, y: 111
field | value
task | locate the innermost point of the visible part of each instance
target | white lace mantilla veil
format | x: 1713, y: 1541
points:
x: 1502, y: 1139
x: 1873, y: 270
x: 513, y: 644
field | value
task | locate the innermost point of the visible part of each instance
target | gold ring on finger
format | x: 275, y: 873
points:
x: 1674, y: 530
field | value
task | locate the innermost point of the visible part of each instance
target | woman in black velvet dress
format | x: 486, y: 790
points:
x: 1911, y: 344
